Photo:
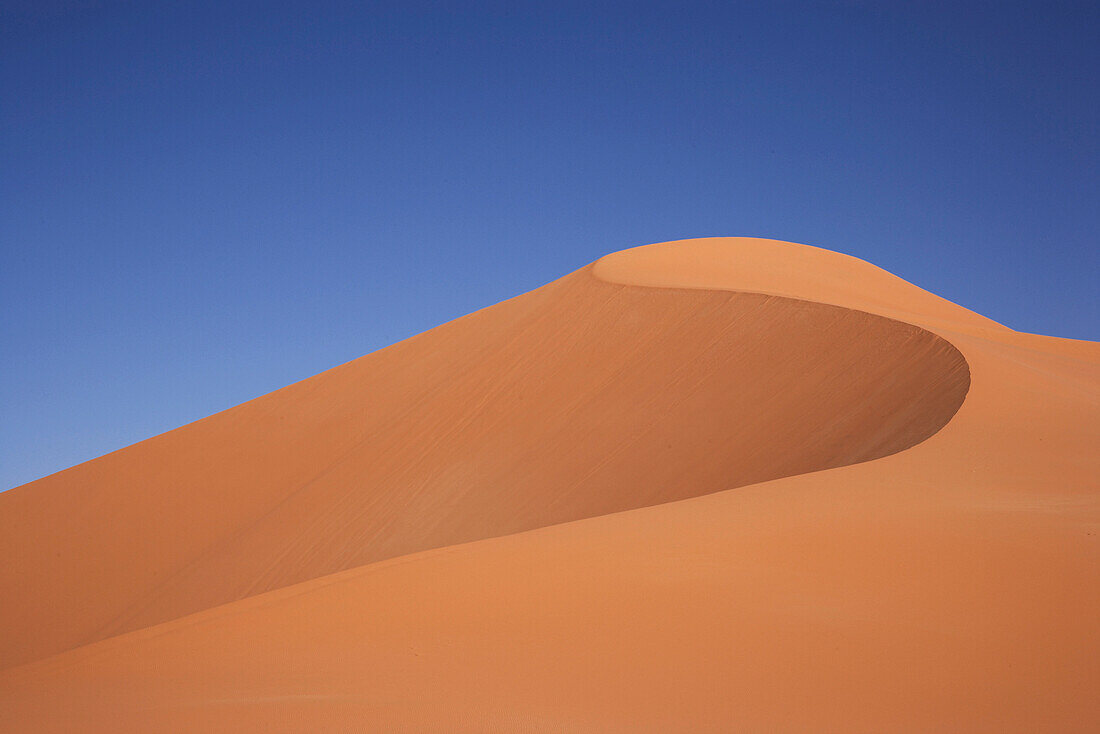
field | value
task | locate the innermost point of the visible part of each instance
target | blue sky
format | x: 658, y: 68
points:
x: 202, y: 202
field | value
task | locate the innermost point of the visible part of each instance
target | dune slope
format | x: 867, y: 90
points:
x: 947, y: 585
x: 580, y: 399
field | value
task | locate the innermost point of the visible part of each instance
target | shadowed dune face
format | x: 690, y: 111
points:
x: 579, y: 399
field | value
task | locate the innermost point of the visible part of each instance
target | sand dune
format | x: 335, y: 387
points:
x: 713, y: 485
x: 580, y: 399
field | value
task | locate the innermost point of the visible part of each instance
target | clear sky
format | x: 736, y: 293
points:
x: 202, y: 202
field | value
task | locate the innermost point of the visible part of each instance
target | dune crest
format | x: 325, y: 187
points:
x: 752, y: 265
x: 637, y: 499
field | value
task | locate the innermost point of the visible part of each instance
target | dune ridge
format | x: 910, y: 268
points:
x: 946, y: 586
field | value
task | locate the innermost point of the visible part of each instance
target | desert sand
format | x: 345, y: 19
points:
x: 711, y: 485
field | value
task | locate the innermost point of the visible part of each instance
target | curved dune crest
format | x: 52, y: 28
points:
x: 785, y: 269
x: 948, y: 585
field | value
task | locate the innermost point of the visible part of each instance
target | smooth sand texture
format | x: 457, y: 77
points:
x: 948, y: 585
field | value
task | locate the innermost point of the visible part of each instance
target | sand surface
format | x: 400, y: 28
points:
x: 711, y: 485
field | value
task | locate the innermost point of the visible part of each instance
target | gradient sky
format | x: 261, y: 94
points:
x: 202, y: 202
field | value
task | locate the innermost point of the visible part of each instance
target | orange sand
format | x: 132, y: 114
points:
x: 712, y: 485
